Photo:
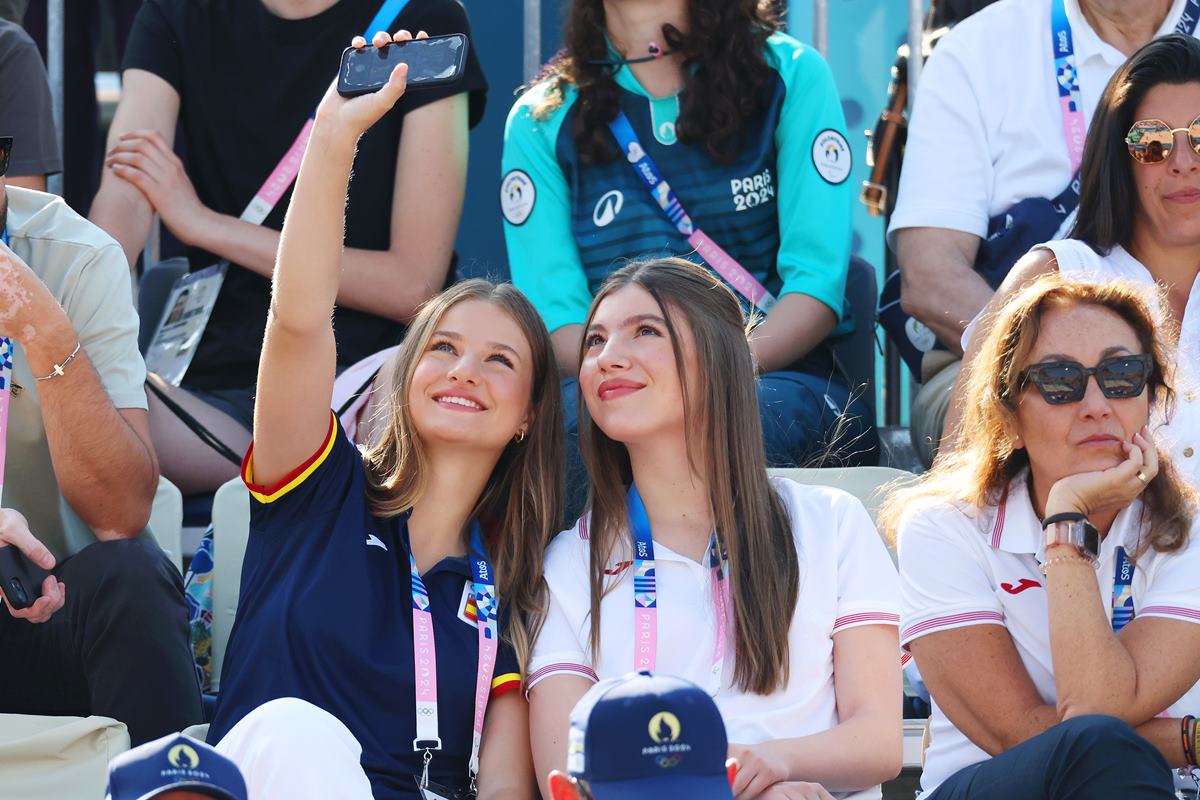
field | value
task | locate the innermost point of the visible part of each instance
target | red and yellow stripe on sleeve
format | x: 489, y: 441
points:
x: 269, y: 494
x: 502, y: 684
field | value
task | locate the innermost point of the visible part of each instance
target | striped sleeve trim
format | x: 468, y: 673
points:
x: 269, y: 494
x: 865, y: 618
x: 561, y: 668
x: 502, y: 684
x: 950, y: 621
x: 1175, y: 612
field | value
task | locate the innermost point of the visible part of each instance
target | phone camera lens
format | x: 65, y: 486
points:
x: 18, y: 592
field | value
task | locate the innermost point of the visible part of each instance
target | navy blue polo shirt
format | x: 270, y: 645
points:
x: 325, y: 614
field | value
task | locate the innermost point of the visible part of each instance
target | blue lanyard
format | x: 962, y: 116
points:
x: 385, y: 16
x: 1122, y: 594
x: 645, y: 591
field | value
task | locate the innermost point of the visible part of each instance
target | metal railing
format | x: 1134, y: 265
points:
x: 55, y: 42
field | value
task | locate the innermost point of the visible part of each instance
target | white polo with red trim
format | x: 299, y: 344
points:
x: 847, y: 580
x: 969, y: 566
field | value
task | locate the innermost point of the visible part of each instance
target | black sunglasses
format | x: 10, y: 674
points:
x: 6, y: 143
x: 1119, y: 377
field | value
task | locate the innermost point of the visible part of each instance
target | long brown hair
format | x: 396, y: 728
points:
x: 721, y: 405
x: 520, y: 507
x: 722, y: 55
x: 985, y: 461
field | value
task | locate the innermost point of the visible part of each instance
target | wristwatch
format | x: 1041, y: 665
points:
x: 1074, y: 529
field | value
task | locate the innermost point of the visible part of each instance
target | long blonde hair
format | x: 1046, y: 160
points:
x: 520, y: 507
x: 725, y: 444
x: 985, y: 461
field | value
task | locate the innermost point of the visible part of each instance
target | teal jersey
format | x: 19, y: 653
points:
x: 781, y: 207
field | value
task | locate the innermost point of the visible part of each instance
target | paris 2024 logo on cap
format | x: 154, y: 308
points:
x: 665, y: 730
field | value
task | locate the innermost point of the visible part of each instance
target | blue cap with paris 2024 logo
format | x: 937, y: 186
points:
x: 174, y: 763
x: 646, y: 735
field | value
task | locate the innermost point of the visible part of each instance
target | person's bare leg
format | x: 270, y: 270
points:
x: 184, y: 458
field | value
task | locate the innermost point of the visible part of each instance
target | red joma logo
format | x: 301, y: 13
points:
x: 618, y: 568
x: 1025, y: 583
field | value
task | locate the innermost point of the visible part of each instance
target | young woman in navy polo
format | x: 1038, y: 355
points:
x: 388, y: 596
x: 692, y: 562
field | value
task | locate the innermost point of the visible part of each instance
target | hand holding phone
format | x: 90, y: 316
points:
x: 432, y: 61
x: 29, y: 590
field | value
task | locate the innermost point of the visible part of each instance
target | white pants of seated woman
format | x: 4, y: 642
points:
x: 289, y: 748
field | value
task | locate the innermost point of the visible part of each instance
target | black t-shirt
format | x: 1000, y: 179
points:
x: 248, y: 80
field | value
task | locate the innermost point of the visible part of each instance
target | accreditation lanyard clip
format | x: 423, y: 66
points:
x: 645, y: 592
x: 1122, y: 591
x: 1066, y: 73
x: 713, y: 254
x: 487, y: 606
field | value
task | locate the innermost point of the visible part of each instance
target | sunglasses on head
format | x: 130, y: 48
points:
x: 1059, y: 382
x: 6, y: 143
x: 1150, y: 141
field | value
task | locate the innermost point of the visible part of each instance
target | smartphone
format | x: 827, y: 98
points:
x: 20, y: 578
x: 435, y: 61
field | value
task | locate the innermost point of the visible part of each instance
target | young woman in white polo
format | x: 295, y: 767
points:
x: 1050, y: 565
x: 692, y: 562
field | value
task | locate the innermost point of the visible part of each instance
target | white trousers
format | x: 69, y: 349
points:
x: 289, y: 749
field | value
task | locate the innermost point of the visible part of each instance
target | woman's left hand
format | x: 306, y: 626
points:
x: 796, y: 790
x: 355, y: 115
x: 1111, y: 489
x: 758, y: 770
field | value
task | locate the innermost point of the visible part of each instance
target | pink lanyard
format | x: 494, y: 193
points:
x: 645, y: 592
x: 487, y: 608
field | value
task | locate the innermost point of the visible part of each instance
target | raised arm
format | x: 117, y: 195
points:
x: 295, y: 375
x: 151, y: 105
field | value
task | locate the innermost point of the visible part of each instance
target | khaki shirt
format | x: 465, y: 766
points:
x: 86, y: 271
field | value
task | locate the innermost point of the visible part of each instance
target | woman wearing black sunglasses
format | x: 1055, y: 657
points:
x: 1139, y: 215
x: 1050, y: 566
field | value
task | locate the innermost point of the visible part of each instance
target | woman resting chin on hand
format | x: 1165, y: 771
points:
x: 1050, y: 565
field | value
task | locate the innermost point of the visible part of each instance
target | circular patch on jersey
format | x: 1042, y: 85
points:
x: 831, y: 156
x: 920, y: 335
x: 517, y: 196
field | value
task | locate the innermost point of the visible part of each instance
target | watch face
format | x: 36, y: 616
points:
x: 1090, y: 540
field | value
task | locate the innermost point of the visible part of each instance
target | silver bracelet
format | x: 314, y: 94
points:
x: 60, y: 369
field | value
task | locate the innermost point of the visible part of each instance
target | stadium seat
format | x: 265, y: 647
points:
x: 231, y: 530
x: 856, y: 352
x: 56, y: 758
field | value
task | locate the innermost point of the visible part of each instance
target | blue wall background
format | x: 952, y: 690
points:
x: 863, y: 37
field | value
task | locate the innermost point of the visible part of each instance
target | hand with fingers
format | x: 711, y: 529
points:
x: 758, y: 769
x: 1111, y: 489
x: 146, y: 160
x: 14, y: 532
x: 354, y: 115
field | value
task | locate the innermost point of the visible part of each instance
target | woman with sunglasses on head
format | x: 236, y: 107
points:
x: 1138, y: 216
x: 780, y: 599
x: 389, y: 596
x: 1050, y: 564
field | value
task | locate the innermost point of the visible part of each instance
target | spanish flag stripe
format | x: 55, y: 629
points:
x: 505, y: 683
x: 269, y: 494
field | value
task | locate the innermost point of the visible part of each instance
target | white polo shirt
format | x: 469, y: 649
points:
x: 1181, y: 432
x: 986, y: 129
x: 847, y: 580
x: 966, y: 566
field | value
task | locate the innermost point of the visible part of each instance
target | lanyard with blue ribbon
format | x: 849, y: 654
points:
x: 6, y: 369
x: 487, y: 606
x: 1122, y: 593
x: 1066, y: 72
x: 645, y: 592
x: 720, y: 261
